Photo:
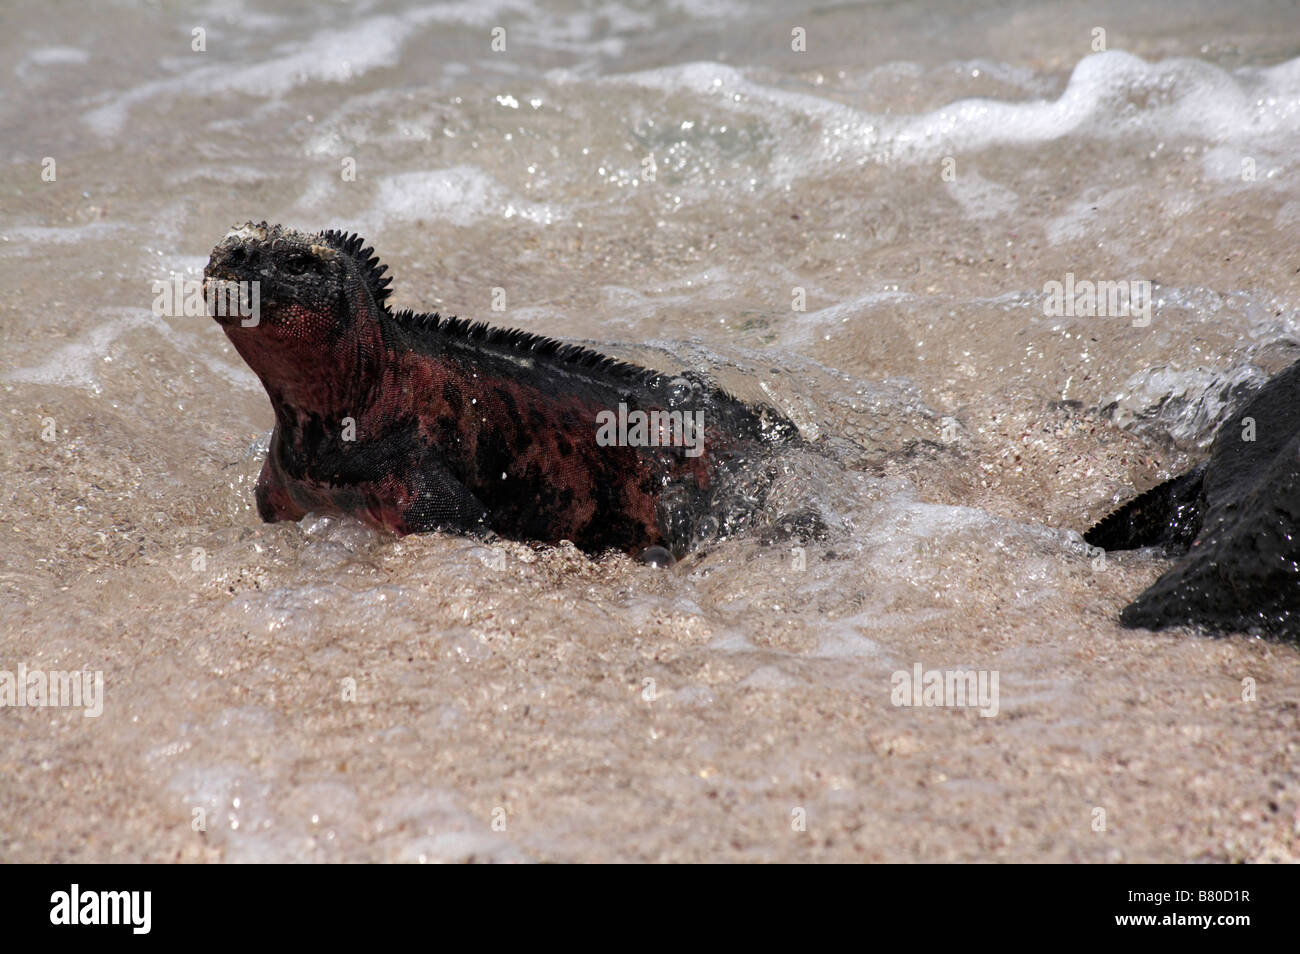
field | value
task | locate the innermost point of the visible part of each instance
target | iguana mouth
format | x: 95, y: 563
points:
x: 233, y: 278
x: 223, y: 276
x: 224, y: 295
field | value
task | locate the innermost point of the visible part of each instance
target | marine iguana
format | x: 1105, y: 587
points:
x: 416, y: 422
x: 1235, y: 521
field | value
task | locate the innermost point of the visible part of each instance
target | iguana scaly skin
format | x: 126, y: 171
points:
x: 1235, y: 522
x: 415, y: 422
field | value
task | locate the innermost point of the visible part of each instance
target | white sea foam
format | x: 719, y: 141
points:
x: 18, y: 239
x: 1188, y: 405
x: 1080, y: 218
x: 45, y: 56
x: 460, y: 195
x: 80, y: 363
x: 76, y: 364
x: 981, y: 199
x: 1110, y: 96
x: 334, y: 55
x: 340, y: 55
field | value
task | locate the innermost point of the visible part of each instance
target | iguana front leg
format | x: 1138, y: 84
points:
x: 274, y: 502
x: 429, y: 498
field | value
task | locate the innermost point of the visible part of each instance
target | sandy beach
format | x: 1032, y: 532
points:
x: 861, y: 232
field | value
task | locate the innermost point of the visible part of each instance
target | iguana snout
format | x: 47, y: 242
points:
x: 286, y: 271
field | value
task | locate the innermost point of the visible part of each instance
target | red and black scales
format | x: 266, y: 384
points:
x: 416, y: 422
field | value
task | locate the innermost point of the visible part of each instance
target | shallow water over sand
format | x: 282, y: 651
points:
x: 674, y: 183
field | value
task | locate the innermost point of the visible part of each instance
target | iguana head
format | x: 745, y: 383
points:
x: 308, y: 284
x: 311, y: 305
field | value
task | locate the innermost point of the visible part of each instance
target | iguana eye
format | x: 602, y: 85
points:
x: 297, y: 263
